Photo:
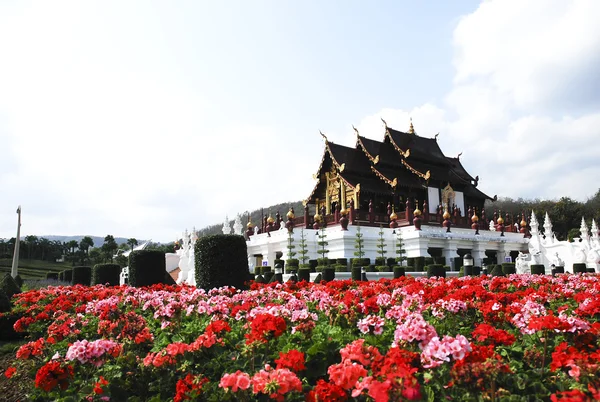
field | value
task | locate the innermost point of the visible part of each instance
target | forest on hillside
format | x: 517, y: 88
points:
x: 565, y: 213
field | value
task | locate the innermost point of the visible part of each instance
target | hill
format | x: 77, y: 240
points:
x: 256, y: 216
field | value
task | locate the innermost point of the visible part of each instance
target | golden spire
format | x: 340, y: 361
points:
x: 411, y: 130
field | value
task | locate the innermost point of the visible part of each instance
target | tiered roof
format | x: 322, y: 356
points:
x: 401, y: 160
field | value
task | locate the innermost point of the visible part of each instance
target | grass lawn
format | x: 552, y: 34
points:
x: 33, y: 269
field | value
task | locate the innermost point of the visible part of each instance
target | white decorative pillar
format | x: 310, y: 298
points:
x: 548, y: 229
x: 15, y: 263
x: 501, y: 253
x: 533, y: 223
x: 450, y: 252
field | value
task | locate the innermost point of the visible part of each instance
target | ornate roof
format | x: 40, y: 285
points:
x: 400, y: 160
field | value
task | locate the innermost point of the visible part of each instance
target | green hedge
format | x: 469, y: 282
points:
x: 436, y: 270
x: 19, y: 280
x: 340, y: 268
x: 508, y: 268
x: 383, y: 268
x: 410, y: 262
x: 328, y: 274
x: 379, y: 261
x: 52, y: 275
x: 9, y: 286
x: 538, y: 269
x: 313, y: 265
x: 356, y: 271
x: 399, y: 271
x: 82, y: 276
x: 579, y: 268
x: 68, y: 275
x: 106, y: 274
x: 265, y: 268
x: 304, y: 274
x: 342, y: 261
x: 429, y: 261
x: 440, y: 260
x: 391, y: 262
x: 146, y: 267
x: 61, y: 276
x: 323, y: 262
x: 221, y: 260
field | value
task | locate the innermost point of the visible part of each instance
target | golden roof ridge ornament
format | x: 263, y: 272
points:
x: 411, y: 129
x: 324, y: 136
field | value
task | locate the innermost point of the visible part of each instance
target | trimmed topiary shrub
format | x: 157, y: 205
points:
x: 323, y: 262
x: 331, y: 262
x: 399, y: 271
x: 559, y: 270
x: 509, y: 268
x: 342, y: 261
x: 461, y: 271
x: 318, y: 279
x: 19, y: 280
x: 304, y: 274
x: 146, y: 267
x: 5, y: 305
x: 419, y: 264
x: 83, y: 276
x: 168, y: 279
x: 9, y: 286
x: 428, y: 261
x: 440, y: 260
x: 221, y: 260
x: 68, y: 275
x: 370, y: 268
x: 257, y: 270
x: 291, y: 265
x: 328, y: 274
x: 383, y: 268
x: 497, y: 271
x: 537, y: 269
x: 391, y: 262
x: 265, y: 268
x: 61, y: 276
x: 436, y: 270
x: 106, y: 274
x: 355, y: 262
x: 313, y: 265
x: 52, y: 275
x: 579, y: 268
x: 379, y: 261
x: 356, y: 273
x: 410, y: 262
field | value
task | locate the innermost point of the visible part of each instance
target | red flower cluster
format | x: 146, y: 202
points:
x: 293, y: 360
x: 265, y: 326
x: 485, y: 333
x: 53, y: 374
x: 189, y: 388
x: 35, y: 348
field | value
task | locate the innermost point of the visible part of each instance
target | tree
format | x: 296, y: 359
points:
x: 290, y: 246
x: 381, y: 244
x: 303, y: 250
x: 359, y: 244
x: 400, y: 251
x: 322, y: 244
x: 31, y: 242
x: 86, y: 243
x: 132, y: 243
x: 109, y: 247
x: 96, y: 255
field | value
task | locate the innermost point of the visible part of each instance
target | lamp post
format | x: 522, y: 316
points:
x: 15, y: 263
x: 468, y: 264
x: 278, y: 273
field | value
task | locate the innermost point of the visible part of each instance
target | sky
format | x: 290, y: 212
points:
x: 145, y: 118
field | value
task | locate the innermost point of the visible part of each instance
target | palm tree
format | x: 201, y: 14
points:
x: 132, y: 243
x: 31, y: 241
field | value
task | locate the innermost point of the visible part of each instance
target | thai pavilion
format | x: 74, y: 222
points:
x: 403, y: 185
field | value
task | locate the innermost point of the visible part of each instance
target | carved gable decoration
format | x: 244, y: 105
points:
x: 448, y: 196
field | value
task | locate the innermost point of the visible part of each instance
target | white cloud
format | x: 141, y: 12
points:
x: 517, y: 109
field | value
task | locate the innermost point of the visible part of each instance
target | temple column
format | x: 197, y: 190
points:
x: 502, y: 252
x: 478, y: 253
x: 327, y: 199
x: 342, y: 194
x: 450, y: 252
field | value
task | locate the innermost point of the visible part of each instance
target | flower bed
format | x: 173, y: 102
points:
x: 405, y: 339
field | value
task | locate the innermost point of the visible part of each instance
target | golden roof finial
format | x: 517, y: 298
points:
x: 411, y: 129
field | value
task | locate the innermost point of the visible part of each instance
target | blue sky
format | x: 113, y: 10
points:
x: 146, y: 118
